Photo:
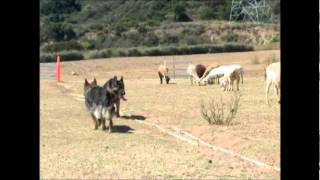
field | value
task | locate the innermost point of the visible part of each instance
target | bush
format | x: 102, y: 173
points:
x: 89, y: 45
x: 123, y: 52
x: 215, y: 112
x: 169, y: 39
x: 134, y: 52
x: 99, y: 54
x: 150, y: 40
x: 180, y: 14
x: 276, y: 38
x: 59, y: 31
x: 191, y: 40
x: 207, y: 13
x: 63, y: 46
x: 152, y: 52
x: 64, y: 56
x: 155, y: 51
x: 233, y: 47
x: 47, y: 57
x: 59, y: 7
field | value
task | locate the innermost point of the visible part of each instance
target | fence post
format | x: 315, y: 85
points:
x: 174, y: 68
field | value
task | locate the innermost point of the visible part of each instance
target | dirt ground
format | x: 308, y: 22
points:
x: 70, y: 148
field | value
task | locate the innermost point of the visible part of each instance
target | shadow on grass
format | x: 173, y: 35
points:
x: 122, y: 129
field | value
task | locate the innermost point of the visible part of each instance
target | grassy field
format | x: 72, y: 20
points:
x: 70, y: 148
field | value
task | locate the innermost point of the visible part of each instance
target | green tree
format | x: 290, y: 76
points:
x: 60, y: 31
x: 180, y: 14
x: 59, y: 6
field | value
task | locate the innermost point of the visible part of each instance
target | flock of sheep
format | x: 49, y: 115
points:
x: 225, y: 76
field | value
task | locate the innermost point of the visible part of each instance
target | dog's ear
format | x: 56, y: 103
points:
x: 94, y: 82
x: 121, y: 79
x: 115, y: 77
x: 86, y: 83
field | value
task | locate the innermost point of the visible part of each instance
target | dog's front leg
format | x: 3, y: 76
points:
x: 94, y: 122
x: 110, y: 125
x: 104, y: 124
x: 118, y: 107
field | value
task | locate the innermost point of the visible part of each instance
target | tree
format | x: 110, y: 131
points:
x: 59, y: 7
x: 180, y: 14
x: 59, y: 31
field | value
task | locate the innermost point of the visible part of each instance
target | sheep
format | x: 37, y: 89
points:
x: 215, y: 73
x: 163, y: 71
x: 208, y: 70
x: 239, y: 69
x: 272, y: 76
x: 219, y: 72
x: 200, y: 70
x: 194, y: 72
x: 230, y: 74
x: 191, y: 72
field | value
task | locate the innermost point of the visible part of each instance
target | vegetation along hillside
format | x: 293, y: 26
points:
x: 84, y: 29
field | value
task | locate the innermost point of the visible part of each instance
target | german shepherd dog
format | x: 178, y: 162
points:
x: 99, y: 104
x: 116, y: 88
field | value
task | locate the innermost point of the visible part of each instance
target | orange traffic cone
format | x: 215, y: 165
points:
x: 58, y: 72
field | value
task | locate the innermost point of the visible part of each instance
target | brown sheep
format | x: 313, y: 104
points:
x: 163, y: 71
x: 229, y: 76
x: 200, y: 69
x: 208, y: 69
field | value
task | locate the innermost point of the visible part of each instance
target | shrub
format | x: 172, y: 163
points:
x: 47, y: 57
x: 65, y: 56
x: 134, y: 52
x: 63, y: 46
x: 99, y: 54
x: 60, y: 31
x: 216, y: 112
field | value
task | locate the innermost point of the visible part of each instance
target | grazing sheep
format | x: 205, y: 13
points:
x: 230, y: 74
x: 208, y: 70
x: 194, y: 72
x: 200, y: 69
x: 272, y: 76
x: 215, y: 73
x: 239, y: 69
x: 163, y: 72
x: 219, y: 72
x: 191, y: 71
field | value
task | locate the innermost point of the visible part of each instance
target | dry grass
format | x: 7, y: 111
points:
x: 70, y: 148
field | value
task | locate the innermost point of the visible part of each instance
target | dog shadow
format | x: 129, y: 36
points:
x: 134, y: 117
x: 122, y: 129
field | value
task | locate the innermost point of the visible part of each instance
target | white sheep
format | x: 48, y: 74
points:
x: 272, y: 76
x: 230, y: 74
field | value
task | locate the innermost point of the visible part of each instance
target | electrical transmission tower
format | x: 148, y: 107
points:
x: 255, y: 11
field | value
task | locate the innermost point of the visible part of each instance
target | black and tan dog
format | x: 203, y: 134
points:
x: 117, y: 89
x: 99, y: 103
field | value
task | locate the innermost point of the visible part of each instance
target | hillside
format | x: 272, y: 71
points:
x: 91, y: 25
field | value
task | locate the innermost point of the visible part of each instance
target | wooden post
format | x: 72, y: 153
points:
x: 174, y: 68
